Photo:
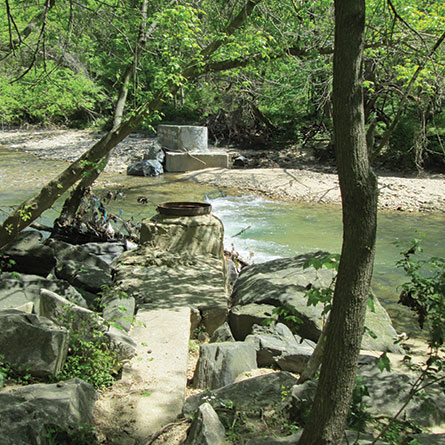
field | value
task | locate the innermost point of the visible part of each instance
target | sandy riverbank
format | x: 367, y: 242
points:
x: 302, y: 182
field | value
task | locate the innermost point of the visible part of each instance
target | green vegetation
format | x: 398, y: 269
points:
x: 424, y: 293
x: 12, y: 375
x: 90, y: 359
x: 82, y: 435
x: 62, y: 66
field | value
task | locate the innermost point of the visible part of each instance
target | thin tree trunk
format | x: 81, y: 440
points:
x: 358, y: 186
x: 72, y: 203
x: 32, y: 208
x: 404, y: 99
x: 317, y: 356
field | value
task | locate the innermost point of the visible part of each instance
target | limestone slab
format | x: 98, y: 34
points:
x: 155, y: 379
x: 188, y: 161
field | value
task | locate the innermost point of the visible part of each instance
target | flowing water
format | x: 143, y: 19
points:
x: 256, y: 228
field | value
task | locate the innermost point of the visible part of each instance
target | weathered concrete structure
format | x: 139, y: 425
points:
x: 187, y: 149
x: 182, y: 162
x: 183, y: 138
x: 177, y: 277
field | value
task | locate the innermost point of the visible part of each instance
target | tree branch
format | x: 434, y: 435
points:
x: 404, y: 99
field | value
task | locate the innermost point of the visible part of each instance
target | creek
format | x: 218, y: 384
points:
x: 257, y: 229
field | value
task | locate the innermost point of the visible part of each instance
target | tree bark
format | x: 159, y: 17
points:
x: 358, y: 186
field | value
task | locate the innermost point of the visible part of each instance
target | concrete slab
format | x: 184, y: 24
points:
x: 177, y: 272
x: 182, y: 162
x: 163, y: 280
x: 162, y: 338
x: 152, y: 389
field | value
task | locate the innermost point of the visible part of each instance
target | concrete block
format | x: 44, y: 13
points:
x: 182, y: 162
x: 183, y: 138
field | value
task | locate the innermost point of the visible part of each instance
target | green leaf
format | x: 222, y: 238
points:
x: 370, y: 332
x: 370, y: 303
x: 384, y: 363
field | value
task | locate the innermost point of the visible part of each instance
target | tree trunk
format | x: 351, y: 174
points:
x: 358, y: 186
x: 72, y: 203
x: 31, y: 209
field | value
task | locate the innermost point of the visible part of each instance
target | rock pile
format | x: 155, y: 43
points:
x: 51, y: 291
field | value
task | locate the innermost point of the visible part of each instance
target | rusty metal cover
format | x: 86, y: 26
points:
x: 184, y: 208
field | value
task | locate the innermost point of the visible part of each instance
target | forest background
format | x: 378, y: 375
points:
x: 65, y: 63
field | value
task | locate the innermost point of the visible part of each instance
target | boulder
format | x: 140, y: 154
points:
x: 294, y: 360
x: 222, y: 334
x: 240, y: 161
x: 155, y: 153
x: 118, y: 310
x: 284, y: 281
x: 105, y: 251
x: 243, y: 318
x: 276, y: 345
x: 220, y: 363
x: 145, y: 168
x: 17, y: 290
x: 213, y: 315
x: 32, y: 344
x: 206, y: 428
x: 83, y: 269
x: 388, y: 392
x: 79, y: 319
x: 29, y: 253
x: 30, y: 414
x: 251, y: 394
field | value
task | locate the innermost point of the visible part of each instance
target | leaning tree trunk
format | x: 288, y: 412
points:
x: 72, y: 203
x: 358, y: 186
x: 32, y: 208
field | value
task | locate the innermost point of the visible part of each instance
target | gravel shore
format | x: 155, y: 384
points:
x: 302, y: 182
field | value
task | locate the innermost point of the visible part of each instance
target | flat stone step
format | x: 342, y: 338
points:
x: 151, y: 392
x: 183, y: 162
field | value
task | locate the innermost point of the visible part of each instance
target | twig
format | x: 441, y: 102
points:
x: 165, y: 429
x: 242, y: 231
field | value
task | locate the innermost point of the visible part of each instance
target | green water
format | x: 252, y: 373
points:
x: 269, y: 229
x: 281, y: 229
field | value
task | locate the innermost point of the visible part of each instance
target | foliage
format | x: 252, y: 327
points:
x: 322, y: 295
x: 89, y: 355
x: 68, y: 68
x: 10, y: 374
x: 90, y: 360
x: 287, y: 314
x: 62, y: 98
x: 358, y: 416
x: 424, y: 293
x: 81, y: 435
x: 6, y: 263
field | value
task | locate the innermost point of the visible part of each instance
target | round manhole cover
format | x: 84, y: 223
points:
x: 184, y: 208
